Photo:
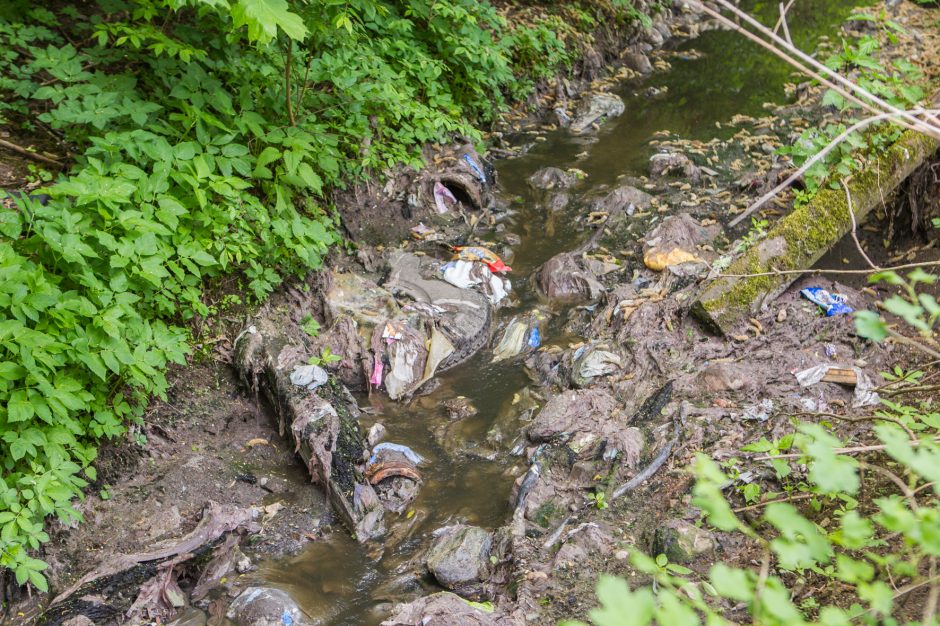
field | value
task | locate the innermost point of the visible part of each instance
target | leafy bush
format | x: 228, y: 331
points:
x: 896, y: 83
x: 867, y: 537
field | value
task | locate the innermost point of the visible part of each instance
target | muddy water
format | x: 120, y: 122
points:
x: 469, y: 469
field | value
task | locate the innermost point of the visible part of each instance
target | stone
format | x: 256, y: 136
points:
x: 565, y: 277
x: 353, y: 295
x: 376, y: 434
x: 682, y: 541
x: 190, y: 616
x: 625, y: 198
x: 442, y: 609
x: 595, y: 108
x: 674, y: 164
x: 265, y: 606
x: 674, y: 242
x: 637, y: 61
x: 459, y: 408
x: 459, y: 558
x: 552, y: 178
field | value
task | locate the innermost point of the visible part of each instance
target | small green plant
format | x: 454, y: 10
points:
x: 757, y: 232
x: 326, y: 357
x: 310, y: 325
x: 599, y: 499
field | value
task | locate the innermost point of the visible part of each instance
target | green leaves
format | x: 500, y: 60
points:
x: 620, y: 606
x: 263, y: 18
x: 831, y: 472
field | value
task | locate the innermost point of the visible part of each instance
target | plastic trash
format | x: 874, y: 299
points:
x: 457, y: 273
x: 376, y: 378
x: 467, y: 274
x: 309, y: 376
x: 484, y: 255
x: 864, y: 387
x: 393, y: 330
x: 831, y: 303
x: 598, y: 363
x: 477, y: 170
x: 439, y: 348
x: 422, y: 232
x: 443, y: 197
x: 535, y: 337
x: 513, y: 340
x: 409, y: 454
x: 759, y: 412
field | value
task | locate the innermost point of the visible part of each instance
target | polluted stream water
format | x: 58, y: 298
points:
x: 468, y: 469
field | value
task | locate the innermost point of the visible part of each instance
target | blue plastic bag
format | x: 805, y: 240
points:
x: 476, y: 168
x: 831, y: 303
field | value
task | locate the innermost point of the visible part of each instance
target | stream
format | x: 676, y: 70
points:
x: 469, y: 470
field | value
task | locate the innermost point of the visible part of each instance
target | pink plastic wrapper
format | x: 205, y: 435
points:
x: 443, y: 197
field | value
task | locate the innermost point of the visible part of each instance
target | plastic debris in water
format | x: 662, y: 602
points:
x: 476, y: 168
x: 484, y: 255
x: 286, y: 618
x: 376, y: 379
x: 831, y: 303
x: 410, y: 454
x: 443, y: 197
x: 535, y: 337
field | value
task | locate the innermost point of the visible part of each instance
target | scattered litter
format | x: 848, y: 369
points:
x: 657, y: 260
x: 422, y: 232
x: 512, y: 342
x: 759, y: 412
x: 394, y: 330
x: 831, y: 303
x: 410, y: 454
x: 443, y: 197
x: 376, y: 434
x: 405, y: 367
x: 309, y: 376
x: 830, y: 350
x: 457, y: 273
x: 477, y: 170
x: 469, y: 273
x: 439, y: 348
x: 376, y: 379
x: 484, y: 255
x: 595, y: 363
x: 521, y: 332
x: 854, y: 376
x: 257, y: 441
x: 535, y: 337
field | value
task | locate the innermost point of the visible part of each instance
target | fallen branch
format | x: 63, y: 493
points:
x: 30, y: 155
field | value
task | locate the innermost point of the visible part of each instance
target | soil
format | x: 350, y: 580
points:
x: 207, y: 442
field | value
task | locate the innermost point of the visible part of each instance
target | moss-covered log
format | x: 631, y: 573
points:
x: 801, y: 238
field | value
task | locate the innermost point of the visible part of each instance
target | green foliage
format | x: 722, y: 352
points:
x: 864, y: 542
x: 326, y: 357
x: 896, y: 83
